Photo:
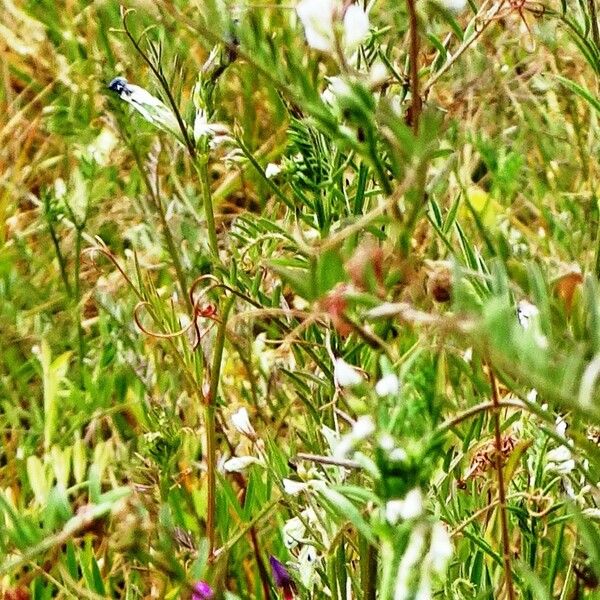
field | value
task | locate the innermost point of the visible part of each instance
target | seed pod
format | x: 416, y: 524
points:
x: 439, y: 280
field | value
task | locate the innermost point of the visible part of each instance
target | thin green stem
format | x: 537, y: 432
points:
x: 202, y: 168
x: 158, y: 207
x: 77, y: 301
x: 210, y: 424
x: 62, y: 265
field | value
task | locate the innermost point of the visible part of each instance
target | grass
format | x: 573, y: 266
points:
x: 335, y: 308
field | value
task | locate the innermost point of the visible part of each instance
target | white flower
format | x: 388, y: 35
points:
x: 239, y: 463
x: 150, y: 107
x: 454, y: 5
x: 411, y: 507
x: 345, y: 375
x: 363, y: 427
x: 272, y: 170
x: 467, y: 355
x: 561, y: 426
x: 307, y: 564
x: 356, y: 27
x: 293, y: 488
x: 526, y: 312
x: 378, y: 74
x: 532, y: 395
x: 293, y: 532
x: 217, y: 133
x: 386, y: 442
x: 389, y: 385
x: 60, y: 188
x: 440, y: 551
x: 241, y: 421
x: 410, y: 559
x: 560, y: 460
x: 319, y: 18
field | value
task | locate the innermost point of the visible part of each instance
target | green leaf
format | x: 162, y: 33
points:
x: 340, y: 506
x: 582, y: 92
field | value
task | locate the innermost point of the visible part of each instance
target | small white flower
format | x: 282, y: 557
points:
x: 389, y: 385
x: 150, y: 107
x: 411, y: 507
x: 328, y: 96
x: 60, y: 188
x: 241, y: 421
x: 217, y: 133
x: 272, y: 170
x: 532, y: 395
x: 307, y: 564
x: 345, y: 375
x: 339, y: 87
x: 293, y: 532
x: 378, y: 74
x: 398, y: 455
x: 363, y: 427
x: 319, y: 19
x: 560, y: 460
x: 410, y: 559
x: 440, y: 551
x: 386, y: 442
x: 526, y: 312
x: 467, y: 355
x: 454, y: 5
x: 239, y: 463
x: 293, y: 488
x: 356, y: 27
x: 561, y: 426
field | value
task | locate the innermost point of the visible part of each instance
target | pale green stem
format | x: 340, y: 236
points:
x: 211, y: 434
x: 202, y: 168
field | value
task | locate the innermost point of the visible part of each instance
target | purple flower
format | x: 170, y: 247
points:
x: 202, y: 591
x: 282, y: 578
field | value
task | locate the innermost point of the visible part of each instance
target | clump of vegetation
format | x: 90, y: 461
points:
x: 299, y: 300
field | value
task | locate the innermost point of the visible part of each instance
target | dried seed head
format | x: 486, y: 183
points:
x: 439, y: 280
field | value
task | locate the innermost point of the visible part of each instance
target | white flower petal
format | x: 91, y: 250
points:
x: 307, y: 564
x: 356, y: 27
x: 345, y: 375
x: 293, y: 488
x: 389, y: 385
x: 316, y: 17
x: 241, y: 421
x: 440, y: 551
x: 526, y: 312
x: 239, y: 463
x: 272, y: 170
x: 363, y: 427
x: 411, y: 507
x: 454, y: 5
x: 293, y: 532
